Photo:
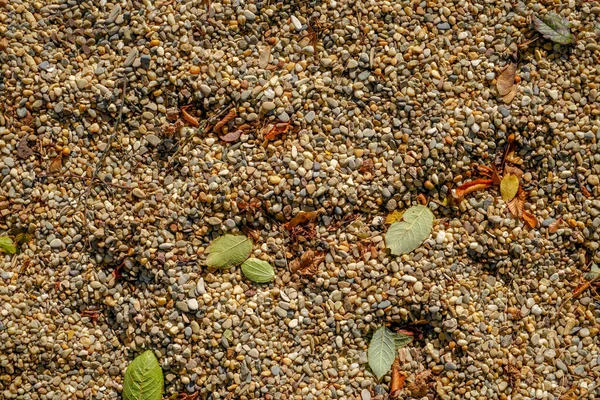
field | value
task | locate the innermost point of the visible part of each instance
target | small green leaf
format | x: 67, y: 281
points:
x: 258, y: 270
x: 143, y: 378
x: 228, y: 251
x: 593, y: 273
x: 382, y: 351
x: 401, y: 340
x: 509, y: 186
x: 7, y: 246
x: 228, y: 334
x: 405, y: 236
x: 554, y: 27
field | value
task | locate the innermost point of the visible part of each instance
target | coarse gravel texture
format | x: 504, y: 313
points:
x: 386, y: 100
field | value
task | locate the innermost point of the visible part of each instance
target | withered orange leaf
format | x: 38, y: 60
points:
x: 277, y: 130
x: 473, y: 186
x: 300, y: 218
x: 553, y: 227
x: 188, y: 117
x: 56, y: 164
x: 529, y: 219
x: 398, y: 380
x: 517, y: 204
x: 232, y: 136
x: 228, y: 117
x: 307, y: 263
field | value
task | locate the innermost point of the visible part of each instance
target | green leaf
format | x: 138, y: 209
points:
x: 401, y: 340
x: 228, y: 251
x: 405, y: 236
x: 382, y: 351
x: 554, y: 27
x: 228, y: 334
x: 143, y: 378
x: 258, y: 270
x: 7, y: 246
x: 509, y: 186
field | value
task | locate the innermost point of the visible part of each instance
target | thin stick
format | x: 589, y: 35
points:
x: 102, y: 158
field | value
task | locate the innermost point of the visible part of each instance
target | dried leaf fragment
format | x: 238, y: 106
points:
x: 506, y: 79
x: 301, y: 218
x: 307, y: 263
x: 56, y: 164
x: 228, y: 117
x: 473, y: 186
x: 277, y: 130
x: 264, y: 57
x: 188, y: 117
x: 530, y: 219
x: 23, y: 149
x: 517, y: 204
x: 398, y: 380
x: 509, y: 186
x: 394, y: 216
x: 232, y: 136
x: 509, y: 97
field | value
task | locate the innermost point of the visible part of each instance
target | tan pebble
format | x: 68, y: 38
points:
x: 274, y: 179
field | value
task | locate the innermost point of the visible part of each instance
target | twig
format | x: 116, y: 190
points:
x: 70, y: 175
x: 102, y: 158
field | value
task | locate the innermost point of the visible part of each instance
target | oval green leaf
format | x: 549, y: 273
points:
x: 405, y: 236
x: 509, y: 186
x: 228, y: 251
x: 143, y: 378
x: 382, y: 351
x: 258, y: 270
x: 7, y: 245
x: 554, y: 27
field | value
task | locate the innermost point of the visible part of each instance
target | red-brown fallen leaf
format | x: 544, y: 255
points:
x: 473, y: 186
x: 277, y: 130
x: 56, y: 164
x: 300, y: 218
x: 530, y: 219
x: 517, y: 204
x: 307, y: 263
x: 188, y: 117
x: 23, y: 149
x: 232, y: 136
x: 228, y: 117
x: 398, y: 380
x: 419, y: 388
x: 553, y: 227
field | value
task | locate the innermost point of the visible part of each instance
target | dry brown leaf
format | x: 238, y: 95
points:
x: 473, y: 186
x: 301, y: 218
x: 398, y: 380
x: 530, y: 219
x: 277, y: 130
x: 516, y: 206
x: 508, y: 98
x: 188, y: 117
x: 553, y: 227
x: 23, y: 149
x: 56, y: 164
x: 506, y: 79
x: 232, y: 136
x: 264, y: 57
x: 512, y: 170
x: 228, y: 117
x: 419, y: 388
x: 307, y: 263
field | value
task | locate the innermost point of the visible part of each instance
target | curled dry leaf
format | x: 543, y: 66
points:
x: 277, y: 130
x: 264, y: 57
x: 301, y: 218
x: 23, y: 149
x: 188, y: 117
x: 307, y: 263
x: 228, y: 117
x: 530, y: 219
x: 56, y: 164
x: 398, y: 380
x: 517, y: 205
x: 506, y: 79
x: 419, y: 388
x: 473, y: 186
x: 232, y: 136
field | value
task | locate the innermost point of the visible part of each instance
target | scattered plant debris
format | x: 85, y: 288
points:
x: 307, y: 264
